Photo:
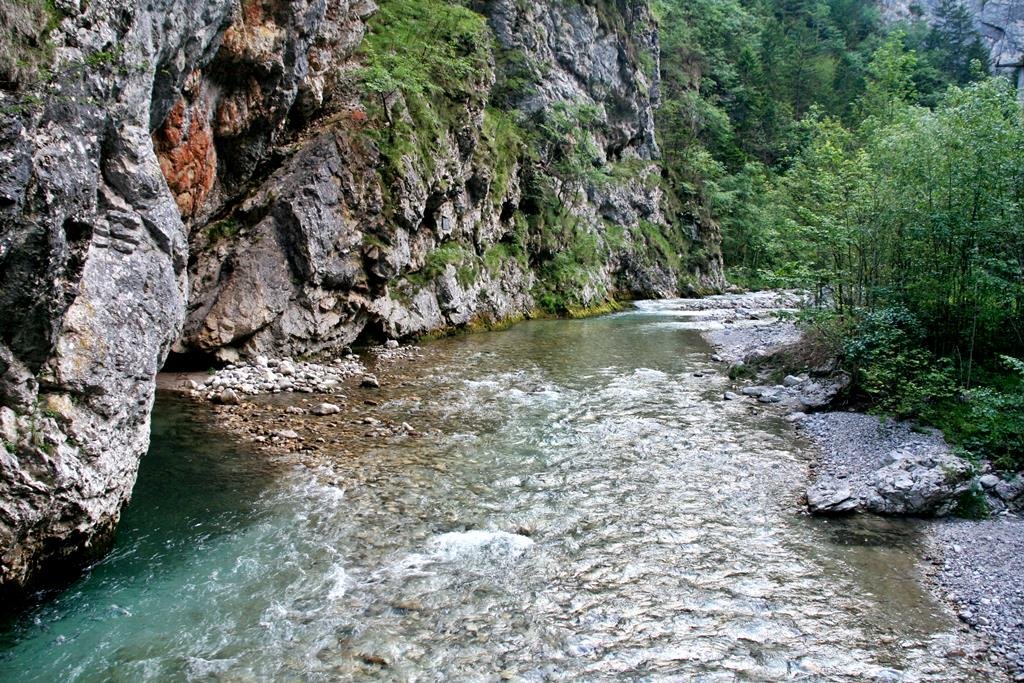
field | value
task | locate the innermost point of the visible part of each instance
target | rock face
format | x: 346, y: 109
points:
x: 93, y: 257
x: 214, y: 177
x: 1000, y: 23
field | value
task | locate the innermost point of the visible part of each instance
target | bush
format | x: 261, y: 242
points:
x: 989, y: 421
x: 891, y: 367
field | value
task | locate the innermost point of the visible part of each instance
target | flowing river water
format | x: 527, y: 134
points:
x: 582, y: 506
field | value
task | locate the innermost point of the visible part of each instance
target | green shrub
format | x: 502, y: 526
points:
x: 989, y: 421
x: 889, y: 364
x: 972, y: 505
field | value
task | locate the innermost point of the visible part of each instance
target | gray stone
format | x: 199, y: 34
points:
x: 731, y: 396
x: 391, y: 344
x: 325, y: 409
x: 369, y: 382
x: 227, y: 397
x: 8, y: 425
x: 989, y: 481
x: 791, y: 381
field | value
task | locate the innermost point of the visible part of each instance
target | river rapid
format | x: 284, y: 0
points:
x: 581, y: 505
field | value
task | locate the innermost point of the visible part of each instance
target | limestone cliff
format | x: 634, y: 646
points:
x: 283, y: 176
x: 1000, y: 23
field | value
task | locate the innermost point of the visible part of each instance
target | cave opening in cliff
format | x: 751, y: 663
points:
x: 373, y: 334
x: 190, y: 361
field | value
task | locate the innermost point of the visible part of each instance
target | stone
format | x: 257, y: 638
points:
x: 754, y: 391
x: 770, y: 396
x: 289, y: 434
x: 369, y: 382
x: 731, y: 396
x: 391, y: 344
x: 227, y: 397
x: 824, y: 499
x: 989, y: 481
x: 1012, y: 490
x: 791, y: 381
x: 325, y: 409
x: 286, y: 369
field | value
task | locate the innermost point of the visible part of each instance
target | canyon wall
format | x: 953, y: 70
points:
x: 213, y: 180
x: 1000, y: 23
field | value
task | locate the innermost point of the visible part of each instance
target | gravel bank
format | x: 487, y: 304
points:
x: 854, y: 445
x: 977, y: 568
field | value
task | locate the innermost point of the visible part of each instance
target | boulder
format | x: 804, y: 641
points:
x: 228, y: 397
x: 916, y: 483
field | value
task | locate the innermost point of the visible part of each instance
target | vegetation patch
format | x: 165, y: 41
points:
x: 25, y: 48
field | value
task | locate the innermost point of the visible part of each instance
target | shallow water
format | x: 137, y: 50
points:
x: 583, y: 506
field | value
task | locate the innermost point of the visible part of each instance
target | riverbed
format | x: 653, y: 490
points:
x: 577, y: 503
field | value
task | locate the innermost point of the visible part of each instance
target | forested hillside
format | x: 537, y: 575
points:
x: 877, y: 165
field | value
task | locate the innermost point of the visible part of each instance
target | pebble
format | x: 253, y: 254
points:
x: 370, y: 382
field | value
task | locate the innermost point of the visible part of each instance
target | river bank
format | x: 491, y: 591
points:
x: 883, y: 466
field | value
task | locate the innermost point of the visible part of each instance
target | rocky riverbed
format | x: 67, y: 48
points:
x: 332, y: 408
x: 870, y: 464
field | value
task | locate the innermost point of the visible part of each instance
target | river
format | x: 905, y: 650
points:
x: 581, y: 506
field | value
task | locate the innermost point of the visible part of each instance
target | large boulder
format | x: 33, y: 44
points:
x: 912, y: 483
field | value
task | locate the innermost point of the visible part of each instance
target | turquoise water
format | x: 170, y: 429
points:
x: 582, y: 506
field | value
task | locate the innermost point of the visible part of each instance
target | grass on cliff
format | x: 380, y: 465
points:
x: 24, y: 46
x: 423, y: 60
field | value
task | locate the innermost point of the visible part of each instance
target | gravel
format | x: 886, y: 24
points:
x: 853, y: 446
x: 977, y: 568
x: 742, y: 342
x: 976, y: 565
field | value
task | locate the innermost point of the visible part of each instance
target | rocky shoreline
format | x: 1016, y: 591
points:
x: 869, y: 464
x: 309, y: 409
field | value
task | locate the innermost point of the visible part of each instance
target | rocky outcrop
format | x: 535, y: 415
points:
x: 353, y: 231
x: 883, y: 466
x: 999, y: 23
x: 218, y: 178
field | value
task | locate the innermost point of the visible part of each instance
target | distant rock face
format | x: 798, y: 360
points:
x: 203, y: 176
x: 1000, y: 23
